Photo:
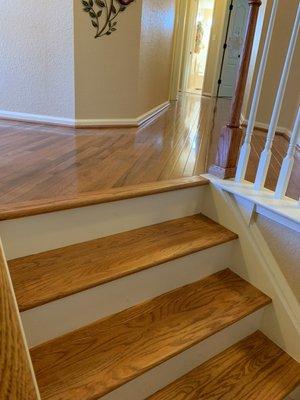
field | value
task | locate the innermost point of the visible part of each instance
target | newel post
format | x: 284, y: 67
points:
x: 231, y: 134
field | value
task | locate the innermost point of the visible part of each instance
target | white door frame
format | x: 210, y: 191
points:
x: 178, y: 43
x: 180, y: 49
x: 189, y: 42
x: 219, y: 44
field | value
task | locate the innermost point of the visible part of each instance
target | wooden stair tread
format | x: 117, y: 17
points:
x: 42, y: 206
x: 94, y: 360
x: 48, y: 276
x: 255, y: 368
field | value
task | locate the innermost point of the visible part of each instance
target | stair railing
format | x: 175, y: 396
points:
x: 231, y: 134
x: 17, y: 380
x: 225, y: 146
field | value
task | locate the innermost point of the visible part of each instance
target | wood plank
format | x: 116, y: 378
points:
x: 253, y: 369
x: 34, y: 207
x: 92, y: 361
x: 16, y: 376
x: 54, y: 274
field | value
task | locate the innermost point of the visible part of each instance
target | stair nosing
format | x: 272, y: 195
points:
x: 45, y: 206
x: 265, y: 300
x: 164, y: 258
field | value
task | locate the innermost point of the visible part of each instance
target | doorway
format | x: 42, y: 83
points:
x: 235, y: 28
x: 197, y: 45
x: 201, y: 63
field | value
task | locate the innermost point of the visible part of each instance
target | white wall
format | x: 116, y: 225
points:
x: 284, y: 244
x: 36, y: 53
x: 126, y: 74
x: 51, y: 64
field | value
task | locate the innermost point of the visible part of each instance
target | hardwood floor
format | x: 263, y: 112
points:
x: 253, y: 369
x: 65, y: 167
x: 92, y: 361
x: 44, y: 164
x: 54, y: 274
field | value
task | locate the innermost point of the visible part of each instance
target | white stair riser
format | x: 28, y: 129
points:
x: 30, y: 235
x: 159, y: 377
x: 77, y: 310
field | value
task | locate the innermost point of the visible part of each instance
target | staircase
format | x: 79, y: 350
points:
x: 135, y: 312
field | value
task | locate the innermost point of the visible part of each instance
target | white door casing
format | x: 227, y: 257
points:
x: 233, y: 51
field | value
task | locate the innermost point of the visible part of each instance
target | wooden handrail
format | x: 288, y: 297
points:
x: 231, y: 134
x: 17, y: 381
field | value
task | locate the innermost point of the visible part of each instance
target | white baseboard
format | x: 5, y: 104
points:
x: 260, y: 125
x: 80, y: 123
x: 36, y: 118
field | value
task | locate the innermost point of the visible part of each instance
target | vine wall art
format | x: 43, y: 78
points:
x: 103, y: 14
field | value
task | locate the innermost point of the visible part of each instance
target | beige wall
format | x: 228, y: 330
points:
x: 37, y: 64
x: 128, y: 73
x: 278, y: 49
x: 106, y: 69
x: 158, y: 17
x: 54, y: 69
x: 284, y: 244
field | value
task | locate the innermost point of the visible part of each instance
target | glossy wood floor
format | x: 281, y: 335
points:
x: 46, y: 164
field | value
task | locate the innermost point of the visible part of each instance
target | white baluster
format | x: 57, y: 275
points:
x: 288, y: 162
x: 265, y: 156
x: 246, y: 147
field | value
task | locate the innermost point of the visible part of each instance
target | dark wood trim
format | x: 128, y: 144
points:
x: 231, y: 134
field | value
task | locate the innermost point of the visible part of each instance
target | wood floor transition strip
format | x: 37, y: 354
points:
x: 48, y: 276
x: 92, y: 361
x: 253, y: 369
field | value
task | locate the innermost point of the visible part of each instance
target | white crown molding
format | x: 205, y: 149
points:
x: 80, y: 123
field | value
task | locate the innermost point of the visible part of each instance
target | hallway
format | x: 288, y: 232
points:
x: 43, y: 163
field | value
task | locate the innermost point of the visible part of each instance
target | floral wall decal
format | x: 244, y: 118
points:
x: 103, y: 14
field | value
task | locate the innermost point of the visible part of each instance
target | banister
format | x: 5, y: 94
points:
x: 17, y: 381
x: 288, y: 161
x: 246, y: 147
x: 231, y: 134
x: 265, y: 157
